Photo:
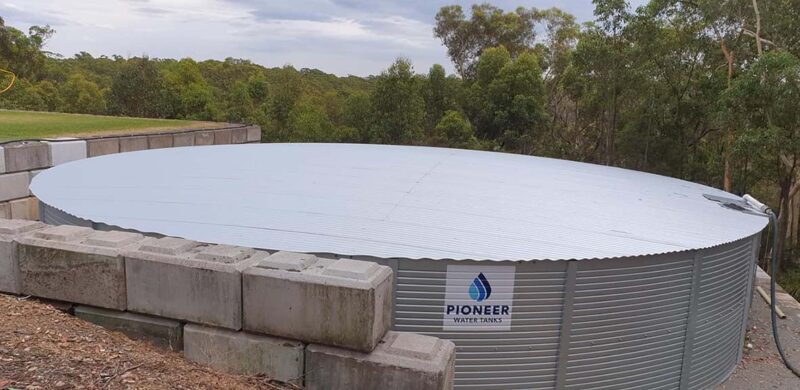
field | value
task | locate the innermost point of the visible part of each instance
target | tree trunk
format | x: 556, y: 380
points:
x: 726, y: 177
x: 759, y: 48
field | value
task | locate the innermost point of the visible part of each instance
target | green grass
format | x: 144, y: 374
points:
x: 34, y: 124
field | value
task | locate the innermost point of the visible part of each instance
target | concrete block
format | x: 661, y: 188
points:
x: 401, y: 361
x: 183, y: 139
x: 102, y: 146
x: 36, y: 172
x: 160, y: 141
x: 161, y: 332
x: 25, y: 208
x: 223, y: 136
x: 176, y: 278
x: 761, y: 276
x: 345, y: 303
x: 10, y: 229
x: 75, y: 264
x: 132, y: 144
x: 204, y: 138
x: 239, y: 135
x: 785, y: 300
x: 25, y: 156
x: 253, y: 134
x: 14, y: 185
x: 245, y: 353
x: 66, y: 307
x: 2, y: 160
x: 5, y: 210
x: 66, y: 151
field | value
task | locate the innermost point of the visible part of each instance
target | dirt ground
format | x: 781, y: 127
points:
x: 761, y: 366
x: 44, y: 348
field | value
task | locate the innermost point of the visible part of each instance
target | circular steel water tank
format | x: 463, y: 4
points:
x: 545, y: 273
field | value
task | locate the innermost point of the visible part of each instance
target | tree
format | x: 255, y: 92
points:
x: 398, y: 106
x: 518, y: 96
x: 240, y: 103
x: 478, y: 105
x: 140, y: 90
x: 358, y: 115
x: 193, y: 97
x: 309, y: 124
x: 21, y: 53
x: 82, y: 96
x: 285, y: 93
x: 41, y: 96
x: 764, y: 99
x: 508, y: 100
x: 488, y: 26
x: 453, y: 130
x: 437, y: 94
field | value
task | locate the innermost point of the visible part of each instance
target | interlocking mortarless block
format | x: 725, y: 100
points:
x: 35, y: 173
x: 401, y: 361
x: 102, y: 146
x: 239, y: 135
x: 25, y: 208
x: 182, y: 279
x: 245, y: 353
x: 160, y: 141
x: 223, y: 136
x: 26, y: 155
x: 183, y: 139
x: 5, y: 210
x: 66, y: 151
x: 133, y: 143
x: 75, y: 264
x: 345, y: 303
x: 253, y: 134
x: 162, y: 332
x: 204, y: 138
x: 14, y: 185
x: 10, y: 229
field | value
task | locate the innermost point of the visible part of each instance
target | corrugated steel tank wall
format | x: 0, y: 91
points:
x: 673, y: 321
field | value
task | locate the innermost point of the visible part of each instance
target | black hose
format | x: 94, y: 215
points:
x: 774, y: 221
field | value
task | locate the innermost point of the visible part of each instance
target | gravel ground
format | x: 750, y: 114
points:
x: 761, y: 367
x: 43, y: 348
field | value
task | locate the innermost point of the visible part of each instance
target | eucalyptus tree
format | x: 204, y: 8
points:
x: 764, y: 100
x: 488, y: 26
x: 398, y: 105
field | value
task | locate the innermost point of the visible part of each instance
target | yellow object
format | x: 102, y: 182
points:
x: 13, y: 78
x: 764, y: 295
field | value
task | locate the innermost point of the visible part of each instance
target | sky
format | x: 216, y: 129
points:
x: 359, y: 37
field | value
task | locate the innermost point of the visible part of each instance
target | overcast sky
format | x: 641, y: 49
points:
x: 359, y: 37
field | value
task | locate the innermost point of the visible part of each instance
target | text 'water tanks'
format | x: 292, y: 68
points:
x: 545, y: 273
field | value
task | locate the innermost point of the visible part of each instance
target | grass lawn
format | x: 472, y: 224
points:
x: 34, y: 124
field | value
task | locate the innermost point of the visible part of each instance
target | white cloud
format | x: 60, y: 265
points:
x: 340, y: 36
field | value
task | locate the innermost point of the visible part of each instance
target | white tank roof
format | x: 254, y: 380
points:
x: 394, y: 201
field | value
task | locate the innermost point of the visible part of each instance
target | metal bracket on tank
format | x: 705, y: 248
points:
x: 734, y: 204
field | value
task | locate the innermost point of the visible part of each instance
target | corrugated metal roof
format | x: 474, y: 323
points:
x: 394, y: 201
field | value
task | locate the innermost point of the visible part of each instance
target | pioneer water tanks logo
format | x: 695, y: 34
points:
x: 472, y: 302
x: 480, y: 288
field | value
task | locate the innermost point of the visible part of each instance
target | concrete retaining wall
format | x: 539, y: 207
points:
x: 21, y: 160
x: 322, y: 323
x: 362, y: 291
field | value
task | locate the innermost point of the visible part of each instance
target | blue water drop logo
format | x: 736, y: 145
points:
x: 480, y: 289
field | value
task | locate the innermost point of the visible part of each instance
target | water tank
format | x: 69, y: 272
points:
x: 545, y: 273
